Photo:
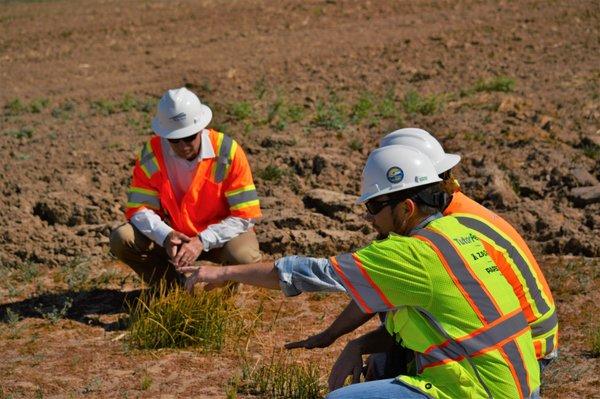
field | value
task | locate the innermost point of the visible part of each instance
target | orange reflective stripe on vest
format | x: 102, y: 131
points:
x: 349, y: 268
x: 499, y: 330
x: 521, y: 263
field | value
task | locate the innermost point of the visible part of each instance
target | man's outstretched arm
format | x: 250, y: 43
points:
x: 349, y: 320
x: 292, y: 274
x: 262, y: 274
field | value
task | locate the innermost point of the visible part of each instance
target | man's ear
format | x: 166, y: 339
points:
x: 411, y: 207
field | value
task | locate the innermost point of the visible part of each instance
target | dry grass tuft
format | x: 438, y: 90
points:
x: 176, y: 319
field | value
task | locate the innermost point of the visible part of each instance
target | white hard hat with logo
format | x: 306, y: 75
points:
x: 395, y: 168
x: 424, y: 142
x: 180, y: 114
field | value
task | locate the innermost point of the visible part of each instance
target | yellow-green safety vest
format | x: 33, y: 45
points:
x: 448, y: 302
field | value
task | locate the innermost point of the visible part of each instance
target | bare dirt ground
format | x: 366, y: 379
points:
x: 307, y: 88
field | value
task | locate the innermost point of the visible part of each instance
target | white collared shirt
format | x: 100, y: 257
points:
x: 181, y: 173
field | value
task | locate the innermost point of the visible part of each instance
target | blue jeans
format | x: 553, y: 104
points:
x: 385, y: 389
x: 380, y: 389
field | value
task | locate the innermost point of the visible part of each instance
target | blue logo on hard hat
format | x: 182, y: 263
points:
x: 395, y: 174
x: 179, y: 117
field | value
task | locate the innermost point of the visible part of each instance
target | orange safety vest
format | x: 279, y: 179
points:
x: 515, y: 260
x: 222, y: 186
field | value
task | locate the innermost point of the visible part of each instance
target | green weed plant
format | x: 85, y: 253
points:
x: 55, y: 314
x: 271, y: 173
x: 414, y: 103
x: 241, y: 110
x: 595, y: 341
x: 162, y: 318
x: 503, y: 84
x: 279, y: 379
x: 329, y: 116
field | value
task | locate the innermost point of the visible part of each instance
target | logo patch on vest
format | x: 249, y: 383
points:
x: 395, y: 174
x: 179, y: 117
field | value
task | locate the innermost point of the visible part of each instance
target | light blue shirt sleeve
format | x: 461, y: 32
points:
x: 299, y: 274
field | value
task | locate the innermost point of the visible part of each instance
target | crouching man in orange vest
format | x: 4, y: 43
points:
x: 443, y: 296
x: 191, y: 197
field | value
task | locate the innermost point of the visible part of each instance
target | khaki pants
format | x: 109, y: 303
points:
x: 151, y: 262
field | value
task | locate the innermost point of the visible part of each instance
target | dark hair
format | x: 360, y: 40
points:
x: 429, y: 198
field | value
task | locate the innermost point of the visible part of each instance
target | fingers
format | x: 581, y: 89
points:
x: 184, y: 257
x: 188, y: 269
x: 190, y: 282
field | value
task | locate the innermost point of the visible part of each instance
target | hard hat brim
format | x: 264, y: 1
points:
x: 448, y: 162
x: 393, y: 189
x: 202, y: 121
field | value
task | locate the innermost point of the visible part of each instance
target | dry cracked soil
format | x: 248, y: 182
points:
x: 307, y: 88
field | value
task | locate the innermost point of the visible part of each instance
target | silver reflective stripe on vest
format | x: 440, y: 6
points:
x: 515, y: 358
x: 539, y: 329
x: 524, y: 268
x: 148, y: 160
x: 360, y: 283
x: 223, y: 160
x: 438, y: 327
x: 550, y: 344
x: 458, y: 267
x: 481, y: 340
x: 242, y: 197
x: 140, y: 198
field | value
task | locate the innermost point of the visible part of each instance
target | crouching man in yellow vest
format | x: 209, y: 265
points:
x: 445, y: 298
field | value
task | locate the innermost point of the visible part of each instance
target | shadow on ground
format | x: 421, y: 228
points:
x: 86, y: 307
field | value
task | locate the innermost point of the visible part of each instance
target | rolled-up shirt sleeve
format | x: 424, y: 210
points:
x: 299, y: 274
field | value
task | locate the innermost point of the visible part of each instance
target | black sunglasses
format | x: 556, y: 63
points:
x: 187, y: 139
x: 374, y: 207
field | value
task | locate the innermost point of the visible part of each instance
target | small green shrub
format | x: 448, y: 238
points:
x: 23, y: 133
x: 76, y: 274
x: 127, y: 103
x: 499, y: 83
x: 356, y: 145
x: 14, y: 107
x: 105, y: 107
x: 241, y: 110
x: 176, y: 319
x: 330, y: 117
x: 38, y: 105
x: 425, y: 105
x: 260, y: 88
x: 279, y: 379
x: 55, y: 314
x: 12, y: 320
x: 595, y: 341
x: 145, y: 382
x: 64, y: 110
x: 387, y: 106
x: 279, y: 113
x: 363, y: 107
x: 591, y: 150
x: 25, y: 272
x: 271, y: 173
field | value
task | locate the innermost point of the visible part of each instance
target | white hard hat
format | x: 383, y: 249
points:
x: 180, y: 114
x: 395, y: 168
x: 424, y: 142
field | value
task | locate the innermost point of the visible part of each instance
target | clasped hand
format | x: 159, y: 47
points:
x: 182, y: 250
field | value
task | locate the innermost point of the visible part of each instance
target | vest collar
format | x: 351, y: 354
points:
x: 424, y: 223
